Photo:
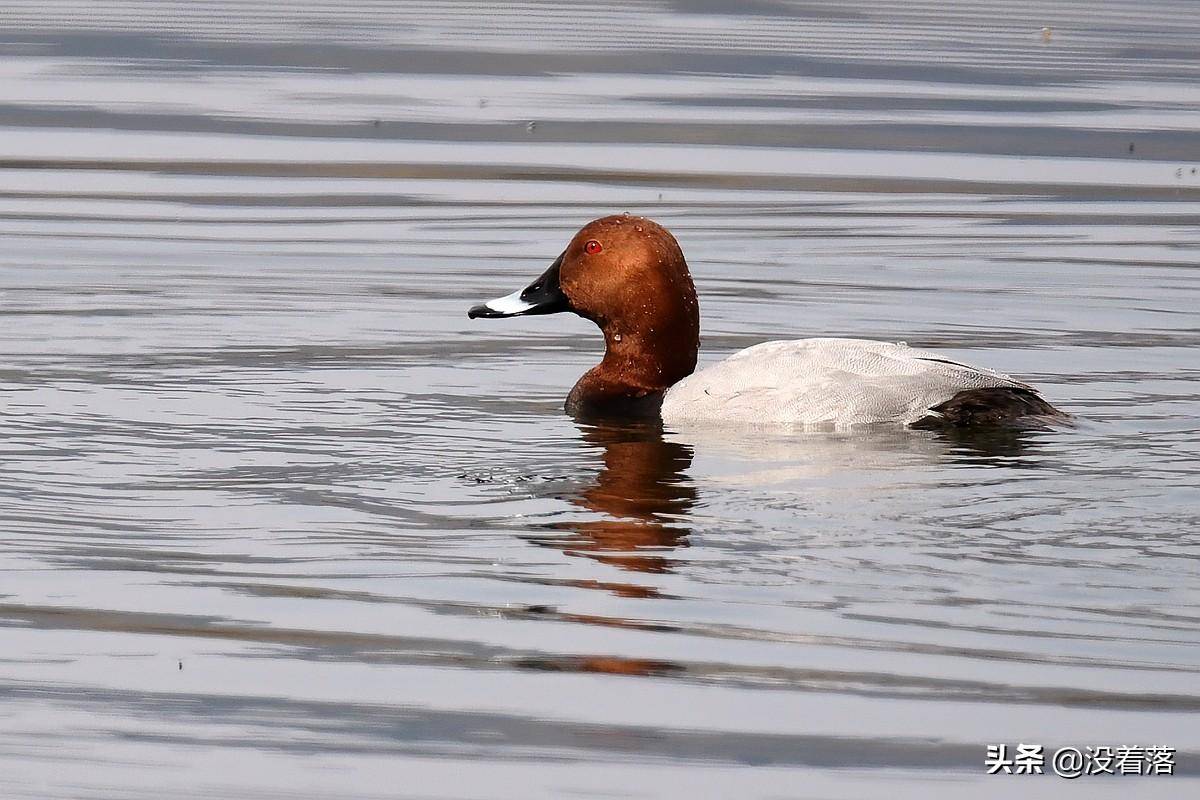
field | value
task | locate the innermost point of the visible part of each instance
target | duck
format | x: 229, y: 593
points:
x: 628, y: 275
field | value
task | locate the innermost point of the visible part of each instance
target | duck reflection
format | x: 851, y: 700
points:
x: 999, y: 446
x: 643, y: 496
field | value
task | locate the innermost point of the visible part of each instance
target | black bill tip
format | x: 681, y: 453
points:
x: 482, y: 310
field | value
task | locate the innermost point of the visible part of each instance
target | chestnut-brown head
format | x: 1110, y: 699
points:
x: 628, y: 275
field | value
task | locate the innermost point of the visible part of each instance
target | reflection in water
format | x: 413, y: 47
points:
x: 776, y: 455
x: 644, y: 496
x: 643, y: 493
x: 1000, y: 446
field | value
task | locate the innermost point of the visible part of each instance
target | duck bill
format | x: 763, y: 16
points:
x: 543, y: 296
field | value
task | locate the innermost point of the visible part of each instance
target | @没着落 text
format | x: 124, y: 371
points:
x: 1075, y: 762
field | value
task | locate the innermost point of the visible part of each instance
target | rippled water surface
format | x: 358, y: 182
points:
x: 278, y: 521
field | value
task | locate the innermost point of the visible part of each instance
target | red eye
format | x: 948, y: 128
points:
x: 592, y: 247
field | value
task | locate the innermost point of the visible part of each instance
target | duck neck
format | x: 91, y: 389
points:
x: 639, y: 365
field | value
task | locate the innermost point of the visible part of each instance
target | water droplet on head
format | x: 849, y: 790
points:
x: 616, y: 337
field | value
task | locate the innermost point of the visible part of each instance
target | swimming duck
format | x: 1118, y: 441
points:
x: 628, y: 275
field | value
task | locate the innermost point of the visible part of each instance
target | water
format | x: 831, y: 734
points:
x: 279, y: 521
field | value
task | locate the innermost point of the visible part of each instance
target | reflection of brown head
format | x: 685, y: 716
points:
x: 642, y: 478
x: 628, y: 275
x: 642, y: 493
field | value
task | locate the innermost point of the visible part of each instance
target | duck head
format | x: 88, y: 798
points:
x: 628, y: 275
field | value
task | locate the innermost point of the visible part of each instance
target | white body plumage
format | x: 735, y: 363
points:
x: 827, y: 382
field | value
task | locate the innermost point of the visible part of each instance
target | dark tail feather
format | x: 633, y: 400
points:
x: 996, y: 406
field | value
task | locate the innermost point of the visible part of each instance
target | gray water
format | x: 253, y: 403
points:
x: 278, y: 521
